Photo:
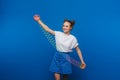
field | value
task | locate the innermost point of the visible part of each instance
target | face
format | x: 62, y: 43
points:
x: 66, y: 27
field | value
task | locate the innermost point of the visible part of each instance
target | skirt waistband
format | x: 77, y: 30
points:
x: 63, y: 52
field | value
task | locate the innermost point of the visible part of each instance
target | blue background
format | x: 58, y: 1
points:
x: 25, y: 53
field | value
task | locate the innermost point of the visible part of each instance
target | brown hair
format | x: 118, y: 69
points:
x: 72, y: 22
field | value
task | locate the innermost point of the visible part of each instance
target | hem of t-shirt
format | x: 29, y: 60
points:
x: 65, y: 51
x: 76, y: 45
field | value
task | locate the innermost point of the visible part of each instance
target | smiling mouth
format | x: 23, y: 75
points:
x: 64, y: 29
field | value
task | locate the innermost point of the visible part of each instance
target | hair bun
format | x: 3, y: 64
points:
x: 72, y: 22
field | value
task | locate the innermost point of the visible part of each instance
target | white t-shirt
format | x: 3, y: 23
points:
x: 64, y: 42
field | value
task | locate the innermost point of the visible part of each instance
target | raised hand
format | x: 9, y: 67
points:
x: 36, y: 17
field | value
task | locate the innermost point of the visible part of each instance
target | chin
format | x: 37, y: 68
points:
x: 65, y: 31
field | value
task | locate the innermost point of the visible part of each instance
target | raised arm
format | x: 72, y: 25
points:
x: 83, y: 65
x: 37, y: 18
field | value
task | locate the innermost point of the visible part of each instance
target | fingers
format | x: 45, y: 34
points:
x: 36, y: 15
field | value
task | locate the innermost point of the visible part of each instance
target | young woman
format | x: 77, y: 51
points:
x: 65, y: 42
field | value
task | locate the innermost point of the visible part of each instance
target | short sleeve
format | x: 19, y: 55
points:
x: 75, y: 42
x: 57, y: 34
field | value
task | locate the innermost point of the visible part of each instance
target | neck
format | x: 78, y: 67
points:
x: 67, y: 33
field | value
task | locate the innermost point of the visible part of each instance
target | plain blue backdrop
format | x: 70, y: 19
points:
x: 25, y: 53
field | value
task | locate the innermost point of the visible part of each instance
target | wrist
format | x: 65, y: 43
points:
x: 39, y: 20
x: 82, y: 61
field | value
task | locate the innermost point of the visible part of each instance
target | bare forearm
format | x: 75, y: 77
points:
x: 43, y: 25
x: 46, y: 27
x: 79, y: 54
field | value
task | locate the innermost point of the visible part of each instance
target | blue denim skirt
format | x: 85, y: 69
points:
x: 60, y: 63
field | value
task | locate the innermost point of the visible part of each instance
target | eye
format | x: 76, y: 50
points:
x: 66, y: 26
